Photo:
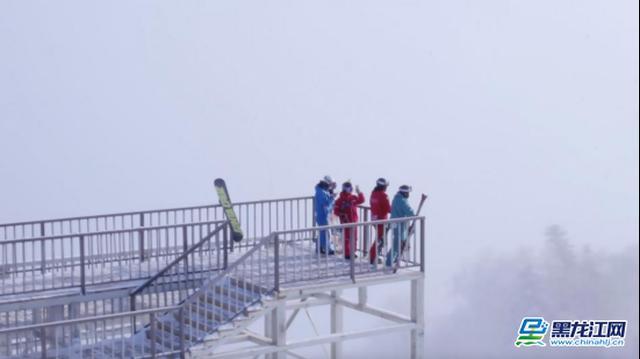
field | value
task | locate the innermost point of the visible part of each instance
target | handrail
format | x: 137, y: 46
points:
x: 138, y: 229
x: 178, y: 259
x: 88, y: 319
x: 408, y: 221
x: 232, y: 266
x: 349, y: 225
x: 274, y: 237
x: 81, y: 251
x: 151, y: 211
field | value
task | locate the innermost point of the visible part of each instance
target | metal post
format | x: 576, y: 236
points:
x: 225, y: 243
x: 313, y: 212
x: 43, y: 342
x: 152, y: 334
x: 74, y: 312
x: 365, y: 240
x: 279, y: 330
x: 352, y: 255
x: 417, y: 316
x: 422, y: 241
x: 336, y: 324
x: 276, y: 268
x: 268, y: 329
x: 181, y: 332
x: 141, y: 237
x: 42, y: 248
x: 185, y: 246
x: 82, y: 269
x: 132, y: 308
x: 362, y: 296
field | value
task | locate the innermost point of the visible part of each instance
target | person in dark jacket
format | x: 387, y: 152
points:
x: 346, y: 208
x: 380, y: 209
x: 399, y: 208
x: 323, y: 205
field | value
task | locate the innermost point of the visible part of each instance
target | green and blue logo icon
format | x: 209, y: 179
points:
x: 532, y: 332
x: 572, y: 333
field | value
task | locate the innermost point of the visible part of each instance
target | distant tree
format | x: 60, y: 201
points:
x: 558, y: 246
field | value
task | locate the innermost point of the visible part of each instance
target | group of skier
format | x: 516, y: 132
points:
x: 345, y: 207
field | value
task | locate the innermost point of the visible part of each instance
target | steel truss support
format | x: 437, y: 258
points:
x: 274, y: 344
x: 336, y: 324
x: 417, y: 317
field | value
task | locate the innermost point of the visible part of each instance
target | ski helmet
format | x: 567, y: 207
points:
x: 347, y: 186
x: 405, y: 189
x: 382, y: 182
x: 327, y: 179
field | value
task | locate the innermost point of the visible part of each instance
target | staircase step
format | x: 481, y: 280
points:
x: 165, y: 341
x: 235, y: 293
x: 200, y: 323
x: 120, y: 352
x: 228, y: 303
x: 110, y: 349
x: 246, y: 285
x: 202, y: 309
x: 171, y: 326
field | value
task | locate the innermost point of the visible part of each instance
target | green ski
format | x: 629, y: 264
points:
x: 225, y: 202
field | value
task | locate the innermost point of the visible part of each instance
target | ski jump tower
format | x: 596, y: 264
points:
x: 172, y: 283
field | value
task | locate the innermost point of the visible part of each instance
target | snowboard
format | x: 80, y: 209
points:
x: 225, y: 202
x: 403, y: 245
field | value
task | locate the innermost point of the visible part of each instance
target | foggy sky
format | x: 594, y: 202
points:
x: 511, y: 115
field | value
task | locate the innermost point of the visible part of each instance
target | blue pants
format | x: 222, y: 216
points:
x: 323, y: 244
x: 399, y: 236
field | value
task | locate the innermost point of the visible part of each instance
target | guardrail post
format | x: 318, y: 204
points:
x: 181, y: 331
x: 225, y: 242
x: 365, y: 241
x: 313, y: 212
x: 422, y: 248
x: 43, y: 262
x: 132, y: 308
x: 82, y: 269
x: 276, y: 268
x: 43, y: 342
x: 152, y: 334
x: 352, y: 254
x: 185, y: 246
x: 141, y: 237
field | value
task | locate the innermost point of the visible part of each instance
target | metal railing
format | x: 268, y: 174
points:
x: 169, y: 285
x: 53, y: 246
x: 375, y: 246
x: 101, y: 336
x: 257, y: 218
x: 284, y: 258
x: 81, y: 260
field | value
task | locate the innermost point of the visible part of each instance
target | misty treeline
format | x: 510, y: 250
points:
x: 554, y: 279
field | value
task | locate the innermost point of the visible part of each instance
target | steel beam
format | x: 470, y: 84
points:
x: 336, y: 324
x: 249, y: 352
x: 417, y: 316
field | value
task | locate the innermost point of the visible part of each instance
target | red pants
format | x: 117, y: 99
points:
x: 348, y: 232
x: 375, y: 247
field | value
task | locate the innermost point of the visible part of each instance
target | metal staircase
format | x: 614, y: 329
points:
x: 230, y: 301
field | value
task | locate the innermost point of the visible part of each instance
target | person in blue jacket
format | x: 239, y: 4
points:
x: 399, y: 208
x: 323, y: 207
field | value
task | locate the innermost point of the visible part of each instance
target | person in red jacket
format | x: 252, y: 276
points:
x: 380, y: 209
x: 346, y: 208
